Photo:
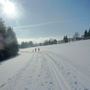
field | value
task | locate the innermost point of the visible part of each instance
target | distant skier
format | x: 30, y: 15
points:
x: 38, y: 49
x: 35, y: 49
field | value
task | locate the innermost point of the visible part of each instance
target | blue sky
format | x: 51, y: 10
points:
x: 49, y: 18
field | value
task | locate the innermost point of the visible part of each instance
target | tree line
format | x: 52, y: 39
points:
x: 87, y: 34
x: 66, y: 39
x: 31, y: 44
x: 8, y: 42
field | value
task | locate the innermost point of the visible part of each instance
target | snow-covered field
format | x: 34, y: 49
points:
x: 56, y: 67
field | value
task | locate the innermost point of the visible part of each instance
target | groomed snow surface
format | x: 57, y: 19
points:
x: 56, y: 67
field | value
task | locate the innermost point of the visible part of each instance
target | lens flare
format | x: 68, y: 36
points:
x: 8, y: 8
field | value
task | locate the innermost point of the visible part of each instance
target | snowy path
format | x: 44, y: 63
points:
x: 57, y: 75
x: 47, y: 71
x: 67, y: 75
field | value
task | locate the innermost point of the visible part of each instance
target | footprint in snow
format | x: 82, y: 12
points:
x: 46, y: 82
x: 62, y: 68
x: 75, y: 89
x: 26, y: 89
x: 74, y: 76
x: 30, y: 83
x: 49, y: 88
x: 86, y: 89
x: 42, y: 84
x: 2, y: 85
x: 38, y: 75
x: 75, y: 82
x: 68, y: 73
x: 50, y: 82
x: 9, y: 79
x: 30, y: 76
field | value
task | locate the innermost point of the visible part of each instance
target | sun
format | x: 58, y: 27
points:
x: 8, y: 8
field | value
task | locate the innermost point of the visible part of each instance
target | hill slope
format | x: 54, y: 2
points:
x: 56, y: 67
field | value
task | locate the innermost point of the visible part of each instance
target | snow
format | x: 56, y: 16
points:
x: 56, y: 67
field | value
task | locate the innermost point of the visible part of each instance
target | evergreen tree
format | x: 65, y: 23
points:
x: 65, y: 39
x: 2, y: 29
x: 55, y: 41
x: 89, y: 33
x: 8, y: 40
x: 11, y: 42
x: 85, y: 34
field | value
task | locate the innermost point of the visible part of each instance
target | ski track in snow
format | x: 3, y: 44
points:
x: 45, y: 72
x: 71, y: 75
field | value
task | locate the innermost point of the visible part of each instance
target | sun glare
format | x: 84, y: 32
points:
x: 8, y: 8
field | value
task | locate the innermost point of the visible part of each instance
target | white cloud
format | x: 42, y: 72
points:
x: 34, y: 25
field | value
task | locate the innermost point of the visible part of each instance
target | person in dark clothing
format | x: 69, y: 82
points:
x: 38, y: 49
x: 35, y: 50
